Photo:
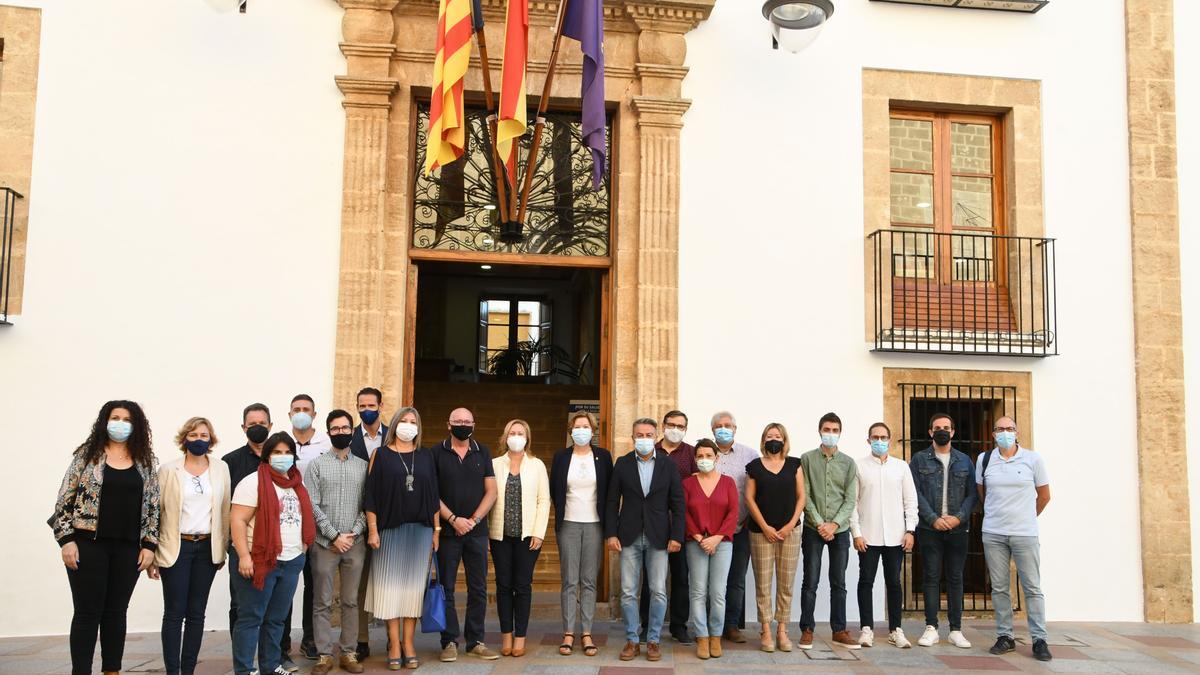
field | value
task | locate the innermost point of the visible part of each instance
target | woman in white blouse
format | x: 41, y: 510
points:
x: 193, y: 537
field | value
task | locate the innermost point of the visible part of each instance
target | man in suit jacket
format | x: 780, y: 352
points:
x: 645, y: 522
x: 371, y: 431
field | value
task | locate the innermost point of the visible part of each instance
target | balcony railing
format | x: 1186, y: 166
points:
x: 8, y: 219
x: 962, y: 293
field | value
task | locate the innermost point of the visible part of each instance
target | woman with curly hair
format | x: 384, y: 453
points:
x: 106, y: 523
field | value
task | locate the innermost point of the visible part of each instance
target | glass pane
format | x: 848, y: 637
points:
x: 973, y: 257
x: 497, y: 337
x: 970, y: 148
x: 528, y: 313
x: 972, y: 202
x: 913, y: 253
x: 912, y: 198
x: 912, y: 145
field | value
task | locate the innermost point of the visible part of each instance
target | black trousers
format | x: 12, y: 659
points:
x: 943, y: 551
x: 678, y: 604
x: 306, y: 605
x: 100, y: 592
x: 514, y: 563
x: 868, y: 565
x: 471, y: 551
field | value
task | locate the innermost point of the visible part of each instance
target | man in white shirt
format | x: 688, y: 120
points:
x: 311, y: 443
x: 882, y: 524
x: 371, y: 431
x: 1015, y: 488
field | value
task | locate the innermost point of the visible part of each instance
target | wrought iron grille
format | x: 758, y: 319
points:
x: 974, y: 410
x: 8, y: 219
x: 963, y: 293
x: 454, y: 206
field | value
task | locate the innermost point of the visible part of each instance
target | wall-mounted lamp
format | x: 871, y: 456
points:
x: 795, y: 24
x: 1026, y: 6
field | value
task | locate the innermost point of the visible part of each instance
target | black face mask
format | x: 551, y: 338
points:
x: 462, y: 431
x: 941, y: 437
x: 257, y: 433
x: 774, y: 447
x: 341, y: 441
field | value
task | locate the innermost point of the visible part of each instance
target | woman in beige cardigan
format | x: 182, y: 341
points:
x: 193, y: 536
x: 516, y: 527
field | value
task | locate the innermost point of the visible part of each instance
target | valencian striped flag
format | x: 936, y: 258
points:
x: 447, y: 123
x: 512, y: 118
x: 584, y: 21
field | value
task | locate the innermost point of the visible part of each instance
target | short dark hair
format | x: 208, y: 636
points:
x: 255, y: 406
x: 829, y: 417
x: 675, y: 413
x: 303, y: 397
x: 941, y: 416
x: 644, y: 420
x: 880, y: 424
x: 707, y: 443
x: 334, y: 414
x: 370, y: 390
x: 274, y: 441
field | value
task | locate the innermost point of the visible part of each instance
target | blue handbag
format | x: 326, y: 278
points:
x: 433, y: 610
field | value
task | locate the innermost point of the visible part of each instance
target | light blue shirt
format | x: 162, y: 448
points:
x: 1010, y: 501
x: 646, y: 472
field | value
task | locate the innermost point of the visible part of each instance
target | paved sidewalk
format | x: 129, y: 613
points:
x: 1078, y: 647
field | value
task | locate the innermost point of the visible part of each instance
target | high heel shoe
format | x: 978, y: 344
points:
x: 767, y: 642
x: 782, y: 640
x: 518, y: 652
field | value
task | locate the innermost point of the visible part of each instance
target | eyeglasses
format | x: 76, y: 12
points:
x: 879, y: 438
x: 998, y: 429
x: 197, y: 485
x: 344, y: 429
x: 675, y: 426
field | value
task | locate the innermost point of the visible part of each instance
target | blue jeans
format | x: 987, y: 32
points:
x: 811, y: 545
x: 185, y: 588
x: 633, y: 558
x: 1025, y: 551
x: 735, y: 590
x: 261, y: 614
x: 707, y: 575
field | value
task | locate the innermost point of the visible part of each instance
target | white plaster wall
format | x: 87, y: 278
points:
x: 182, y: 252
x: 771, y: 239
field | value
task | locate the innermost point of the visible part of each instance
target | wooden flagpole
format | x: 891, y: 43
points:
x: 498, y: 172
x: 542, y: 106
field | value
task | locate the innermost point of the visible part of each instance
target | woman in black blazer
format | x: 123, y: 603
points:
x: 578, y: 487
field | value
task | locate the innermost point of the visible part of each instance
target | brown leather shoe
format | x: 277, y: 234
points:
x: 735, y: 636
x: 630, y: 652
x: 324, y: 665
x: 806, y: 639
x: 714, y: 647
x: 653, y: 653
x: 842, y: 639
x: 349, y: 662
x: 702, y: 648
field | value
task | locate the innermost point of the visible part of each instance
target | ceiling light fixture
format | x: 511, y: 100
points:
x: 795, y: 24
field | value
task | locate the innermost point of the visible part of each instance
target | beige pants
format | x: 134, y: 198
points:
x: 774, y: 561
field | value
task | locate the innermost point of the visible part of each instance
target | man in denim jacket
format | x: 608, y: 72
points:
x: 946, y: 496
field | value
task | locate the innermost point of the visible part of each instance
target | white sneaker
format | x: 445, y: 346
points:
x: 897, y: 638
x: 866, y: 638
x: 959, y: 640
x: 929, y: 638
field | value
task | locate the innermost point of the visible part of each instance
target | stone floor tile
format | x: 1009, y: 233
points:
x: 976, y: 663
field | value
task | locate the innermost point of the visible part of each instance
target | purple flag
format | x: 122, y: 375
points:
x: 584, y: 22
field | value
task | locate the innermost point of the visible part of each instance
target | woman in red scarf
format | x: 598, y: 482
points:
x: 270, y: 535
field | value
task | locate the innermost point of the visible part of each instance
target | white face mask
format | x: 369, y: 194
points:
x: 406, y: 431
x: 674, y: 435
x: 517, y: 443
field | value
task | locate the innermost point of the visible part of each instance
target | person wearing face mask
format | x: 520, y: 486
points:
x: 516, y: 527
x: 775, y: 498
x: 711, y: 500
x: 272, y: 525
x: 311, y: 443
x: 335, y: 482
x: 467, y: 485
x: 579, y: 477
x: 831, y: 485
x: 371, y: 430
x: 946, y: 497
x: 193, y: 537
x: 883, y: 522
x: 1015, y: 489
x: 678, y: 604
x: 732, y: 460
x: 106, y: 523
x: 645, y: 522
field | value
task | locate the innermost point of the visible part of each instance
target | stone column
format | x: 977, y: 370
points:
x: 1158, y: 313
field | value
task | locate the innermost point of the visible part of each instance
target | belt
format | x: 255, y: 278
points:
x: 195, y: 537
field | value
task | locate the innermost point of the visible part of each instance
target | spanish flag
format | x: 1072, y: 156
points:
x: 512, y: 117
x: 447, y: 122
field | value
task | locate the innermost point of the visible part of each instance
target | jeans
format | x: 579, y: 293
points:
x: 306, y: 606
x: 707, y: 576
x: 471, y: 551
x: 735, y: 585
x: 678, y: 594
x: 634, y: 557
x: 325, y: 564
x: 868, y: 565
x: 285, y: 640
x: 100, y: 592
x: 943, y: 550
x: 579, y: 548
x: 261, y: 614
x: 185, y: 587
x: 513, y: 563
x: 811, y: 544
x: 1025, y: 552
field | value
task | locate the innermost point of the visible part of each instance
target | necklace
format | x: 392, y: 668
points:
x: 408, y: 479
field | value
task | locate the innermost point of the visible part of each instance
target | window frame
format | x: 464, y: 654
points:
x: 483, y: 351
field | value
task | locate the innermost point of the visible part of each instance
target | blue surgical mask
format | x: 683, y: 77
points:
x: 879, y: 448
x: 119, y: 431
x: 706, y: 465
x: 282, y: 463
x: 644, y: 446
x: 198, y: 447
x: 302, y: 421
x: 724, y: 435
x: 581, y: 435
x: 830, y: 440
x: 1006, y: 439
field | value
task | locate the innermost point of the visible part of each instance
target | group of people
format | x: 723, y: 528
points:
x: 385, y: 515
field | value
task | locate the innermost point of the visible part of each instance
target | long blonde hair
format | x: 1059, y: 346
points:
x: 528, y: 436
x: 391, y: 434
x: 762, y: 444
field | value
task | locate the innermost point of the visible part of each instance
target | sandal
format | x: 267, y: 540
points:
x: 395, y: 664
x: 411, y: 662
x: 567, y: 648
x: 589, y: 647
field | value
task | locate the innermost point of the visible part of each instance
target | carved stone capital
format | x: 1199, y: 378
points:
x: 660, y: 112
x: 671, y: 16
x: 362, y: 92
